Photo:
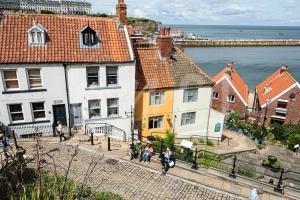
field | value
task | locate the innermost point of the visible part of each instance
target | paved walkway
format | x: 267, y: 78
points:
x: 206, y: 177
x: 126, y: 178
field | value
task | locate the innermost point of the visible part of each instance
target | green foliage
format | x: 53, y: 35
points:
x: 246, y: 172
x: 272, y: 162
x: 232, y: 119
x: 100, y: 15
x: 49, y: 187
x: 107, y: 196
x: 199, y: 142
x: 47, y: 12
x: 210, y: 143
x: 287, y: 134
x: 133, y: 20
x: 210, y: 160
x: 170, y: 139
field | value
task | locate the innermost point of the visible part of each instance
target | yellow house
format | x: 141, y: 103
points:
x: 154, y: 95
x: 172, y: 93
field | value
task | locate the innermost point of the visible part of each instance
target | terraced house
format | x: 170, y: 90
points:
x: 230, y: 92
x: 73, y: 69
x: 173, y: 93
x: 277, y: 99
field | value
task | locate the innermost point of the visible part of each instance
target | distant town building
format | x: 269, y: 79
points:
x: 37, y: 6
x: 277, y: 99
x: 230, y: 92
x: 173, y: 93
x: 177, y: 33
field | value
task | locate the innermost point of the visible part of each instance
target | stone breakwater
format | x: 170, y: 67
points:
x: 235, y: 43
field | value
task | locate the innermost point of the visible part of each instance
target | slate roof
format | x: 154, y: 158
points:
x: 277, y: 83
x: 63, y: 40
x: 154, y: 72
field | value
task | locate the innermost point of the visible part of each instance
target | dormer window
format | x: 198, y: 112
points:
x: 37, y: 35
x: 89, y: 36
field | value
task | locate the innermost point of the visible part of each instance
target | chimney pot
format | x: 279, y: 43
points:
x: 165, y: 42
x: 283, y: 69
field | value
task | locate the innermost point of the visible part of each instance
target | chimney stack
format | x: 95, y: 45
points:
x: 165, y: 42
x: 283, y: 69
x: 121, y: 12
x: 229, y: 69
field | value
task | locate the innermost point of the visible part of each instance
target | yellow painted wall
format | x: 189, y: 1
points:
x: 143, y: 110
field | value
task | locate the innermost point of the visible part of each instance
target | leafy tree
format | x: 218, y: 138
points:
x: 232, y: 120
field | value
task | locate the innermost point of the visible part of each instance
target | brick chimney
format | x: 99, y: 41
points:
x: 283, y: 69
x: 121, y: 12
x: 229, y: 69
x: 165, y: 42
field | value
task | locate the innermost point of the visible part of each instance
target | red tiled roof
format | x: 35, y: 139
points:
x: 236, y: 81
x: 153, y: 72
x: 63, y: 43
x: 277, y: 83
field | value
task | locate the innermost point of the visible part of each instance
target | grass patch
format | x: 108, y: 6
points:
x: 245, y: 172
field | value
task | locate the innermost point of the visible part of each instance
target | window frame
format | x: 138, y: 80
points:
x: 184, y: 119
x: 33, y: 111
x: 7, y: 80
x: 186, y: 95
x: 282, y: 102
x: 156, y: 119
x: 116, y: 75
x: 215, y: 95
x: 89, y: 76
x: 28, y: 79
x: 89, y: 108
x: 34, y: 39
x: 10, y: 113
x: 230, y: 99
x: 112, y: 107
x: 155, y: 94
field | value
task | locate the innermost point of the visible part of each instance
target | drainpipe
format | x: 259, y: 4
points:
x: 68, y: 99
x: 209, y: 109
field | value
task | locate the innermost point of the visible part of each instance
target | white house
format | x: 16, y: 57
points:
x: 72, y: 69
x: 192, y: 113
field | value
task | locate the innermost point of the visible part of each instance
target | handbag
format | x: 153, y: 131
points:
x: 171, y: 163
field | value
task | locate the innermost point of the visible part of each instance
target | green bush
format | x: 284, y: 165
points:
x: 210, y: 143
x: 49, y: 187
x: 246, y: 172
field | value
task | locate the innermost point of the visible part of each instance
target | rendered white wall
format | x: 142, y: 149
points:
x: 201, y: 107
x: 215, y: 118
x: 53, y: 79
x: 78, y: 92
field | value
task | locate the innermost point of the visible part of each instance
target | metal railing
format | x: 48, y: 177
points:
x: 232, y: 165
x: 105, y: 129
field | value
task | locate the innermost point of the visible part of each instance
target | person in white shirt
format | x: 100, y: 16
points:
x: 255, y: 194
x: 60, y: 132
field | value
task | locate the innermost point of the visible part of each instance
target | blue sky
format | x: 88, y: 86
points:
x: 210, y: 12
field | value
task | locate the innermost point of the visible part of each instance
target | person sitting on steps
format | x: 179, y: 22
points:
x: 133, y: 152
x: 147, y: 153
x: 167, y: 161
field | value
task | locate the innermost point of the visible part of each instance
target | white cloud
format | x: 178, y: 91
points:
x: 252, y: 12
x: 139, y: 13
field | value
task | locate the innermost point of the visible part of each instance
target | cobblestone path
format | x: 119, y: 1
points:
x: 125, y: 178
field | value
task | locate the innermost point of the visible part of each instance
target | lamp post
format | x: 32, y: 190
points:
x: 131, y: 123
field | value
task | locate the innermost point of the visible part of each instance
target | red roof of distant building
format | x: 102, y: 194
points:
x: 275, y: 86
x: 63, y: 42
x: 237, y: 82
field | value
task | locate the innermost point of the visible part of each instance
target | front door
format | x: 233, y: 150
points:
x: 59, y: 114
x: 76, y: 114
